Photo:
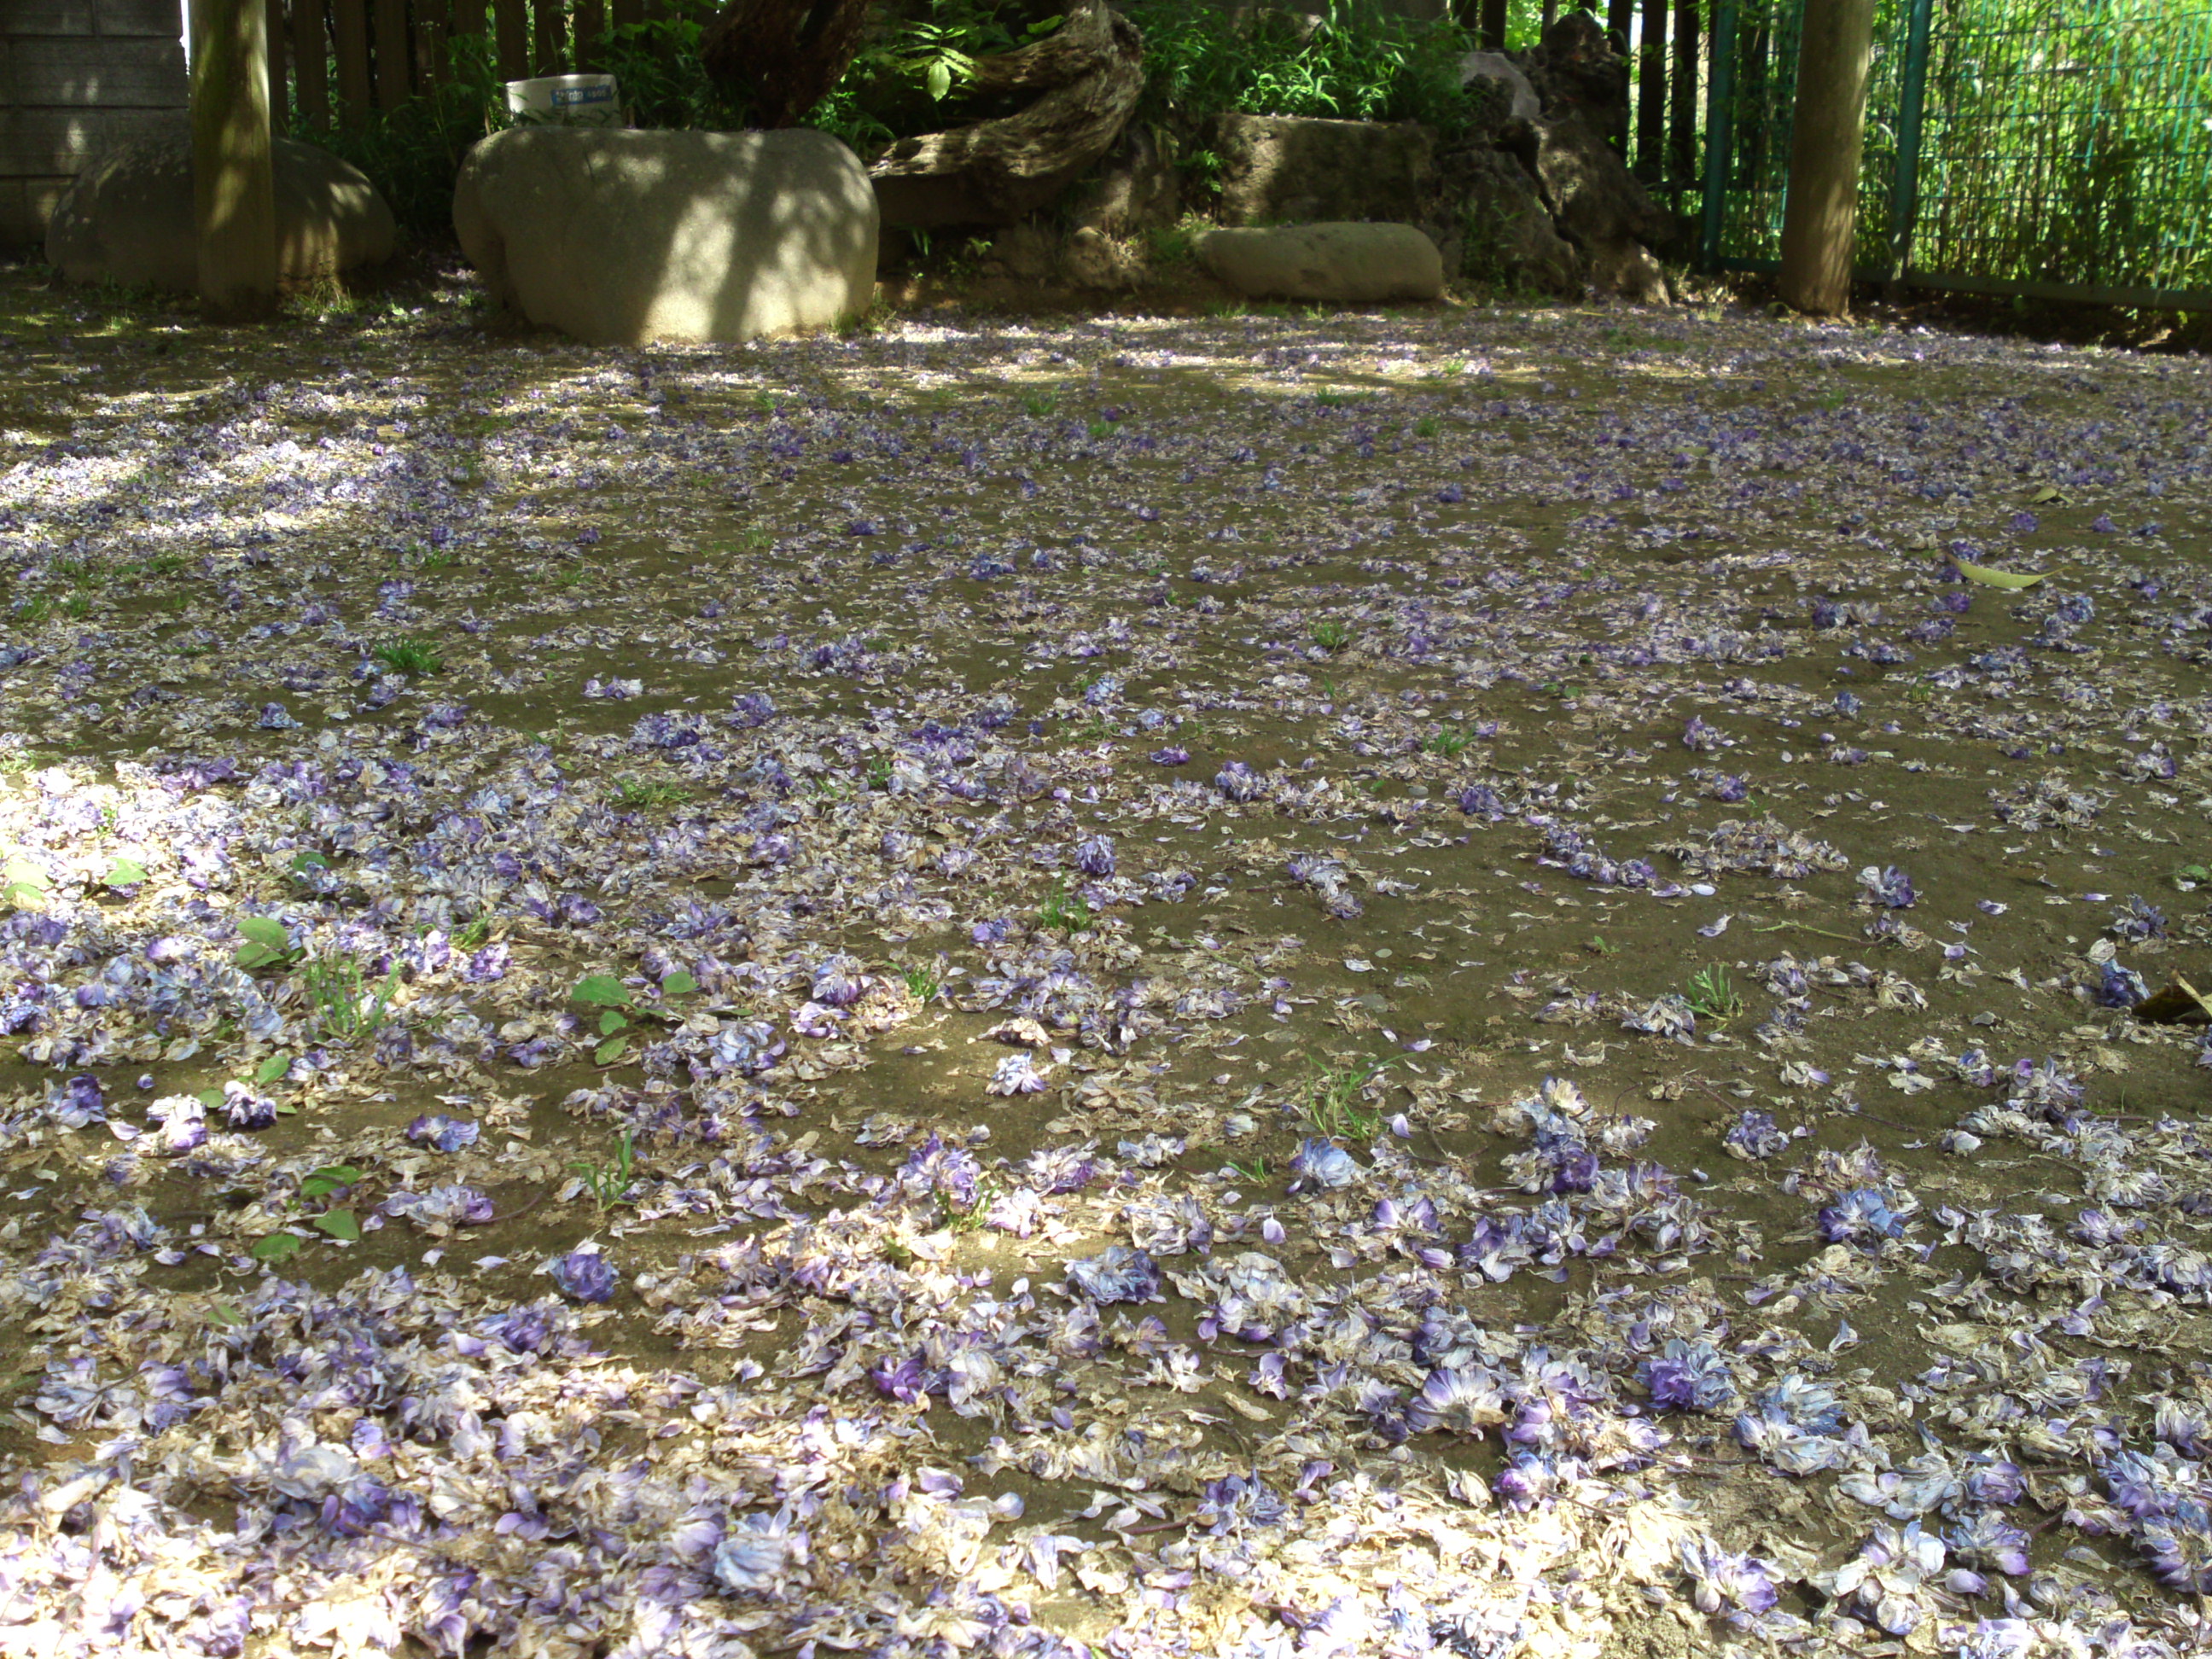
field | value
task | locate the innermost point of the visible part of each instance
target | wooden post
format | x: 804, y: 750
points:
x: 1682, y: 121
x: 311, y: 69
x: 1835, y: 58
x: 1491, y: 35
x: 551, y: 29
x: 234, y: 190
x: 591, y: 27
x: 349, y: 36
x: 430, y: 34
x: 514, y: 26
x: 1651, y: 160
x: 391, y: 78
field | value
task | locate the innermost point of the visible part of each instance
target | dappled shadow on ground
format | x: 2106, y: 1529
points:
x: 1239, y: 985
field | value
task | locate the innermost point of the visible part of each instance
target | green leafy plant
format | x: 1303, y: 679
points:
x: 22, y: 884
x: 1333, y: 1099
x: 472, y: 935
x: 1257, y: 1170
x: 619, y: 1011
x: 1354, y: 62
x: 267, y: 943
x: 408, y: 655
x: 1332, y: 635
x: 124, y: 873
x: 1064, y: 912
x: 1598, y: 945
x: 1427, y: 427
x: 1711, y: 995
x: 609, y: 1185
x: 1040, y: 405
x: 923, y: 981
x: 1448, y: 742
x: 340, y: 1222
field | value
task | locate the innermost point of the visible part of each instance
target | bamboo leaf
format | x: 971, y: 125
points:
x: 1983, y: 576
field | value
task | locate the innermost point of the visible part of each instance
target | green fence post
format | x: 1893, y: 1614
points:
x: 1720, y: 107
x: 1905, y: 188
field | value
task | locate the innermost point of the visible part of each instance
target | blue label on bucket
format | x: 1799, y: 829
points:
x: 570, y: 97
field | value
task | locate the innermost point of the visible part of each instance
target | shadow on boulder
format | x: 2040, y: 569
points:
x: 128, y: 216
x: 619, y: 237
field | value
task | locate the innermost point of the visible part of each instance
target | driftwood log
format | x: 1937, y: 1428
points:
x: 1089, y: 74
x: 783, y: 55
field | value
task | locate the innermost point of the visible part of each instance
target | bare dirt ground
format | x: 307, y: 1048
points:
x: 1466, y: 981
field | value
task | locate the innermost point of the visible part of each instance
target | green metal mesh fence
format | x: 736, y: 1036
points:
x: 2012, y: 147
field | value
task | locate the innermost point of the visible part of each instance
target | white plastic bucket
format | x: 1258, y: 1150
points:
x: 588, y: 100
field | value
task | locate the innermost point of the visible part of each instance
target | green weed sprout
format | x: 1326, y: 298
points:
x: 1331, y: 636
x: 1331, y: 1102
x: 636, y: 794
x: 1712, y: 995
x: 267, y: 944
x: 347, y: 1005
x: 1065, y: 913
x: 619, y: 1010
x: 610, y: 1185
x: 341, y: 1223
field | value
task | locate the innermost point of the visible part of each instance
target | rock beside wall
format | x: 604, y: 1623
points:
x: 1281, y: 169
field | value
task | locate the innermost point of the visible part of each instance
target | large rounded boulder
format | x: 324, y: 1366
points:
x: 618, y: 237
x: 127, y: 217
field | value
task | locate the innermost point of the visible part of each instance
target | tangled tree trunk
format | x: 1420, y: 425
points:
x: 783, y: 55
x: 1088, y: 72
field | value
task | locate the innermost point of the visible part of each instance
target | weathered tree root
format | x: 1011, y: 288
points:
x: 995, y: 171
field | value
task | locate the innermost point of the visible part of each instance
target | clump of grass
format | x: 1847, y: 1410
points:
x: 923, y: 980
x: 610, y: 1184
x: 1712, y: 995
x: 636, y: 794
x: 408, y: 655
x: 1331, y: 634
x: 1333, y: 1100
x: 1064, y: 912
x: 348, y: 1005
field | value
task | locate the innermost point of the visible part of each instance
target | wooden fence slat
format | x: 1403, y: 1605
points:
x: 551, y: 43
x: 311, y: 69
x: 514, y: 25
x: 350, y: 30
x: 430, y: 32
x: 280, y: 97
x: 1651, y: 93
x: 1619, y: 21
x: 590, y: 28
x: 392, y: 54
x: 1684, y: 118
x: 627, y: 12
